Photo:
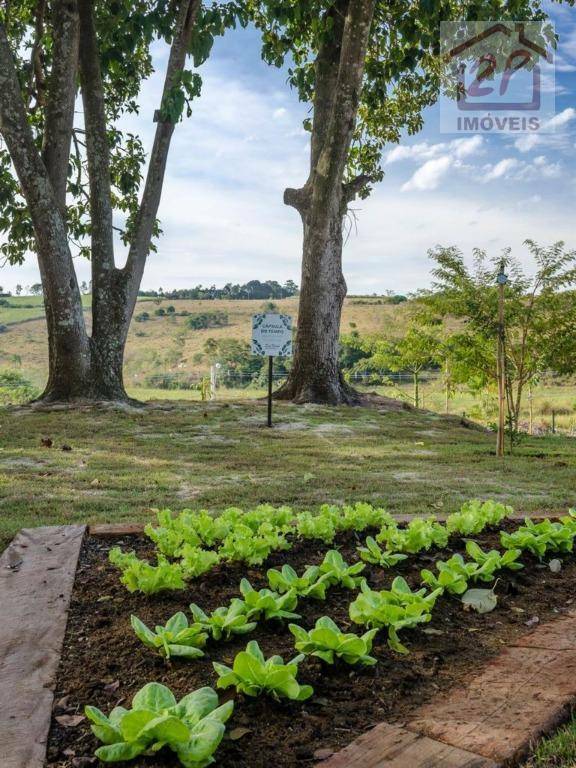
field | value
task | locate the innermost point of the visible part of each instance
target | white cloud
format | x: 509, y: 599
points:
x: 428, y: 176
x: 500, y: 170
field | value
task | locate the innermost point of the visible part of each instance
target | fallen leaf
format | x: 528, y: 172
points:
x: 480, y: 600
x: 432, y: 631
x: 69, y: 721
x: 323, y: 754
x: 112, y: 687
x: 237, y: 733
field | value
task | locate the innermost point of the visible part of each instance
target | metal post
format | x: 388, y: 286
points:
x: 501, y: 365
x: 270, y: 372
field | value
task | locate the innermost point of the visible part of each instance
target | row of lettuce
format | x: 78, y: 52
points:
x: 193, y: 543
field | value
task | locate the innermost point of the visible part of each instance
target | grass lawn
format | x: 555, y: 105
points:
x: 559, y: 751
x: 121, y: 464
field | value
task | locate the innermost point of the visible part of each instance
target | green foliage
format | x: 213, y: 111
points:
x: 225, y: 621
x: 195, y: 561
x: 176, y: 638
x: 453, y: 575
x: 15, y: 389
x: 339, y: 572
x: 192, y: 727
x: 476, y: 515
x: 253, y: 674
x: 311, y: 584
x: 320, y: 526
x: 264, y: 603
x: 372, y: 553
x: 204, y: 320
x: 420, y: 534
x: 540, y: 538
x: 396, y: 609
x: 493, y: 560
x: 326, y: 641
x: 247, y: 546
x: 539, y: 311
x: 139, y: 576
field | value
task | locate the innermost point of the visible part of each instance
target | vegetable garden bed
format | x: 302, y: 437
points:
x: 104, y: 664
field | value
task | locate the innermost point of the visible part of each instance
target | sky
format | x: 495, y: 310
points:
x: 222, y: 212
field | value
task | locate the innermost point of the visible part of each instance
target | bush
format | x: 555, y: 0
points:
x: 142, y: 317
x: 16, y: 389
x: 207, y: 320
x: 160, y: 312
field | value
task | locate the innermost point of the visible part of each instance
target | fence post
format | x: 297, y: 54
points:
x: 553, y: 422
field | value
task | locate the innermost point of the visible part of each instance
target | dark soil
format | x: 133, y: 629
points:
x: 104, y: 664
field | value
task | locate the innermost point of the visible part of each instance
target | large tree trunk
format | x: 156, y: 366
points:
x: 316, y: 376
x: 322, y: 203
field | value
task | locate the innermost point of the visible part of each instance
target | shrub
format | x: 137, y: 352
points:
x: 16, y: 389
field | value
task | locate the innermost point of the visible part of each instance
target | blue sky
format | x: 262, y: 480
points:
x: 222, y: 211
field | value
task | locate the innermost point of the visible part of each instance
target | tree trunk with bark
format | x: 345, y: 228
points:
x: 82, y: 366
x: 322, y: 203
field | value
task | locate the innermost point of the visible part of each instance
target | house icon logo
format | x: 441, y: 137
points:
x: 502, y: 73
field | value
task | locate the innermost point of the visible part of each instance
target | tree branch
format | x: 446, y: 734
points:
x: 354, y: 187
x: 97, y: 149
x: 61, y: 96
x: 146, y: 217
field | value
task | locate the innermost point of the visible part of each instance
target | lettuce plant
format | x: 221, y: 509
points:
x: 264, y: 603
x: 253, y: 674
x: 195, y: 561
x: 168, y: 535
x: 453, y: 575
x: 311, y: 584
x: 244, y: 545
x: 175, y: 638
x: 396, y: 609
x: 326, y: 641
x: 475, y: 516
x: 319, y: 527
x: 139, y: 576
x: 493, y: 561
x: 339, y: 572
x: 192, y: 728
x: 224, y: 621
x: 539, y: 538
x: 372, y: 553
x: 418, y: 535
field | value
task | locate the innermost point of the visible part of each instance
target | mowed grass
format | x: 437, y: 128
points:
x: 124, y: 463
x: 559, y: 751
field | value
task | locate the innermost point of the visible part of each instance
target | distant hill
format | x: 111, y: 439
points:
x: 158, y: 340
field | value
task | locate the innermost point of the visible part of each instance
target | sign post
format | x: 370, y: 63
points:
x: 271, y: 337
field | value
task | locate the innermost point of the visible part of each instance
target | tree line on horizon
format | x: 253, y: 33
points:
x: 73, y: 182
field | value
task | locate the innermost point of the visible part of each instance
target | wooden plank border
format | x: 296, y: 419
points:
x: 37, y: 573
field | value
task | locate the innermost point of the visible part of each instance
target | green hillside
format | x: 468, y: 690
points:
x: 152, y: 344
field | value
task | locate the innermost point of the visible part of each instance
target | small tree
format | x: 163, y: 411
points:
x: 539, y: 312
x: 413, y: 353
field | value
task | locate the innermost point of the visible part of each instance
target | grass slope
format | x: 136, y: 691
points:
x: 186, y: 455
x: 150, y: 343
